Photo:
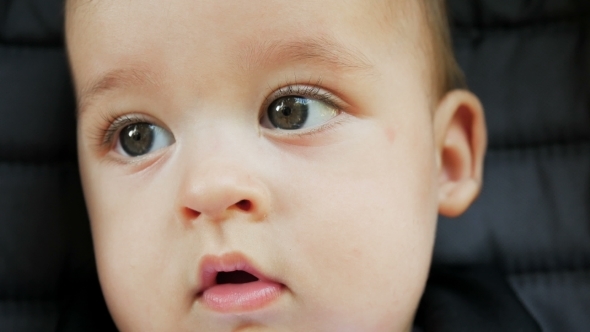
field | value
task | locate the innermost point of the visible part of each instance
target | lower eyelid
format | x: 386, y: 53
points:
x: 340, y: 119
x: 334, y: 122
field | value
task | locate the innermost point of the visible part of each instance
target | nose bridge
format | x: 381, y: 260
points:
x: 219, y: 178
x: 219, y: 138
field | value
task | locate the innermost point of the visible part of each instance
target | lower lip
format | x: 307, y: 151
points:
x: 241, y: 297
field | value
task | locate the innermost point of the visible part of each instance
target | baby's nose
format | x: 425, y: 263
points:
x: 221, y: 196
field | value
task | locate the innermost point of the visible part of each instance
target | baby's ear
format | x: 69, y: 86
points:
x: 460, y: 134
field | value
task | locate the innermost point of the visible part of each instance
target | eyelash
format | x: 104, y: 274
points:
x: 307, y: 91
x: 116, y: 123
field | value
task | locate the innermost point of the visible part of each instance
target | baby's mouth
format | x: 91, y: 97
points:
x: 231, y: 284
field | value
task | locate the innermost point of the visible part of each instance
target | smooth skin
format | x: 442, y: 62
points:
x: 342, y: 213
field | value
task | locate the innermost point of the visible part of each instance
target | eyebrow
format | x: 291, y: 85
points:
x: 113, y: 80
x: 322, y: 51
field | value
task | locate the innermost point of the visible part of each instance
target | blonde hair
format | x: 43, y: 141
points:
x: 449, y: 75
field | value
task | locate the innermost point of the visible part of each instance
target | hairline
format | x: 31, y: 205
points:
x: 449, y: 75
x: 438, y: 50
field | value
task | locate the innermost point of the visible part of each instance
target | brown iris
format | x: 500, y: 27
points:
x: 288, y: 113
x: 137, y: 139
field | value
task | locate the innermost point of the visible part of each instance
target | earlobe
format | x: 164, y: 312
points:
x: 460, y: 135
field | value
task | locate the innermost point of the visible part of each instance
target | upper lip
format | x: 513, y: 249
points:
x: 211, y: 265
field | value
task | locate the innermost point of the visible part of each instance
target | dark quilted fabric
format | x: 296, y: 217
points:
x: 528, y: 60
x: 47, y: 276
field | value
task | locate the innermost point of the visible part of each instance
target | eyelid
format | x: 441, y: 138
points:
x: 311, y: 91
x: 299, y: 134
x: 116, y: 124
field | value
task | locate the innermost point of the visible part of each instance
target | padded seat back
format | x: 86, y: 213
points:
x: 529, y: 62
x: 47, y: 276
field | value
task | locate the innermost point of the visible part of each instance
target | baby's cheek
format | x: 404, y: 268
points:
x: 365, y: 266
x: 129, y: 226
x: 370, y: 240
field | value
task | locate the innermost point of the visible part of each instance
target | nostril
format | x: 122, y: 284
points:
x: 191, y: 214
x: 244, y: 205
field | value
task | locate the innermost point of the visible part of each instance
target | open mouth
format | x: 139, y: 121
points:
x: 234, y: 277
x: 228, y: 278
x: 231, y: 284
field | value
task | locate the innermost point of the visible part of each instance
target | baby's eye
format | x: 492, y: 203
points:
x: 142, y: 138
x: 295, y: 112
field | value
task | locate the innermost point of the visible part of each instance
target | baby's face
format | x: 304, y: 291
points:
x: 289, y: 140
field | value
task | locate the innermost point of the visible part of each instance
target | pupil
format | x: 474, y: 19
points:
x: 286, y: 111
x: 135, y: 135
x: 289, y: 113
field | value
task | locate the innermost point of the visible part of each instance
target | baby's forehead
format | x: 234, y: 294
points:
x: 378, y: 19
x: 318, y: 32
x: 387, y: 13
